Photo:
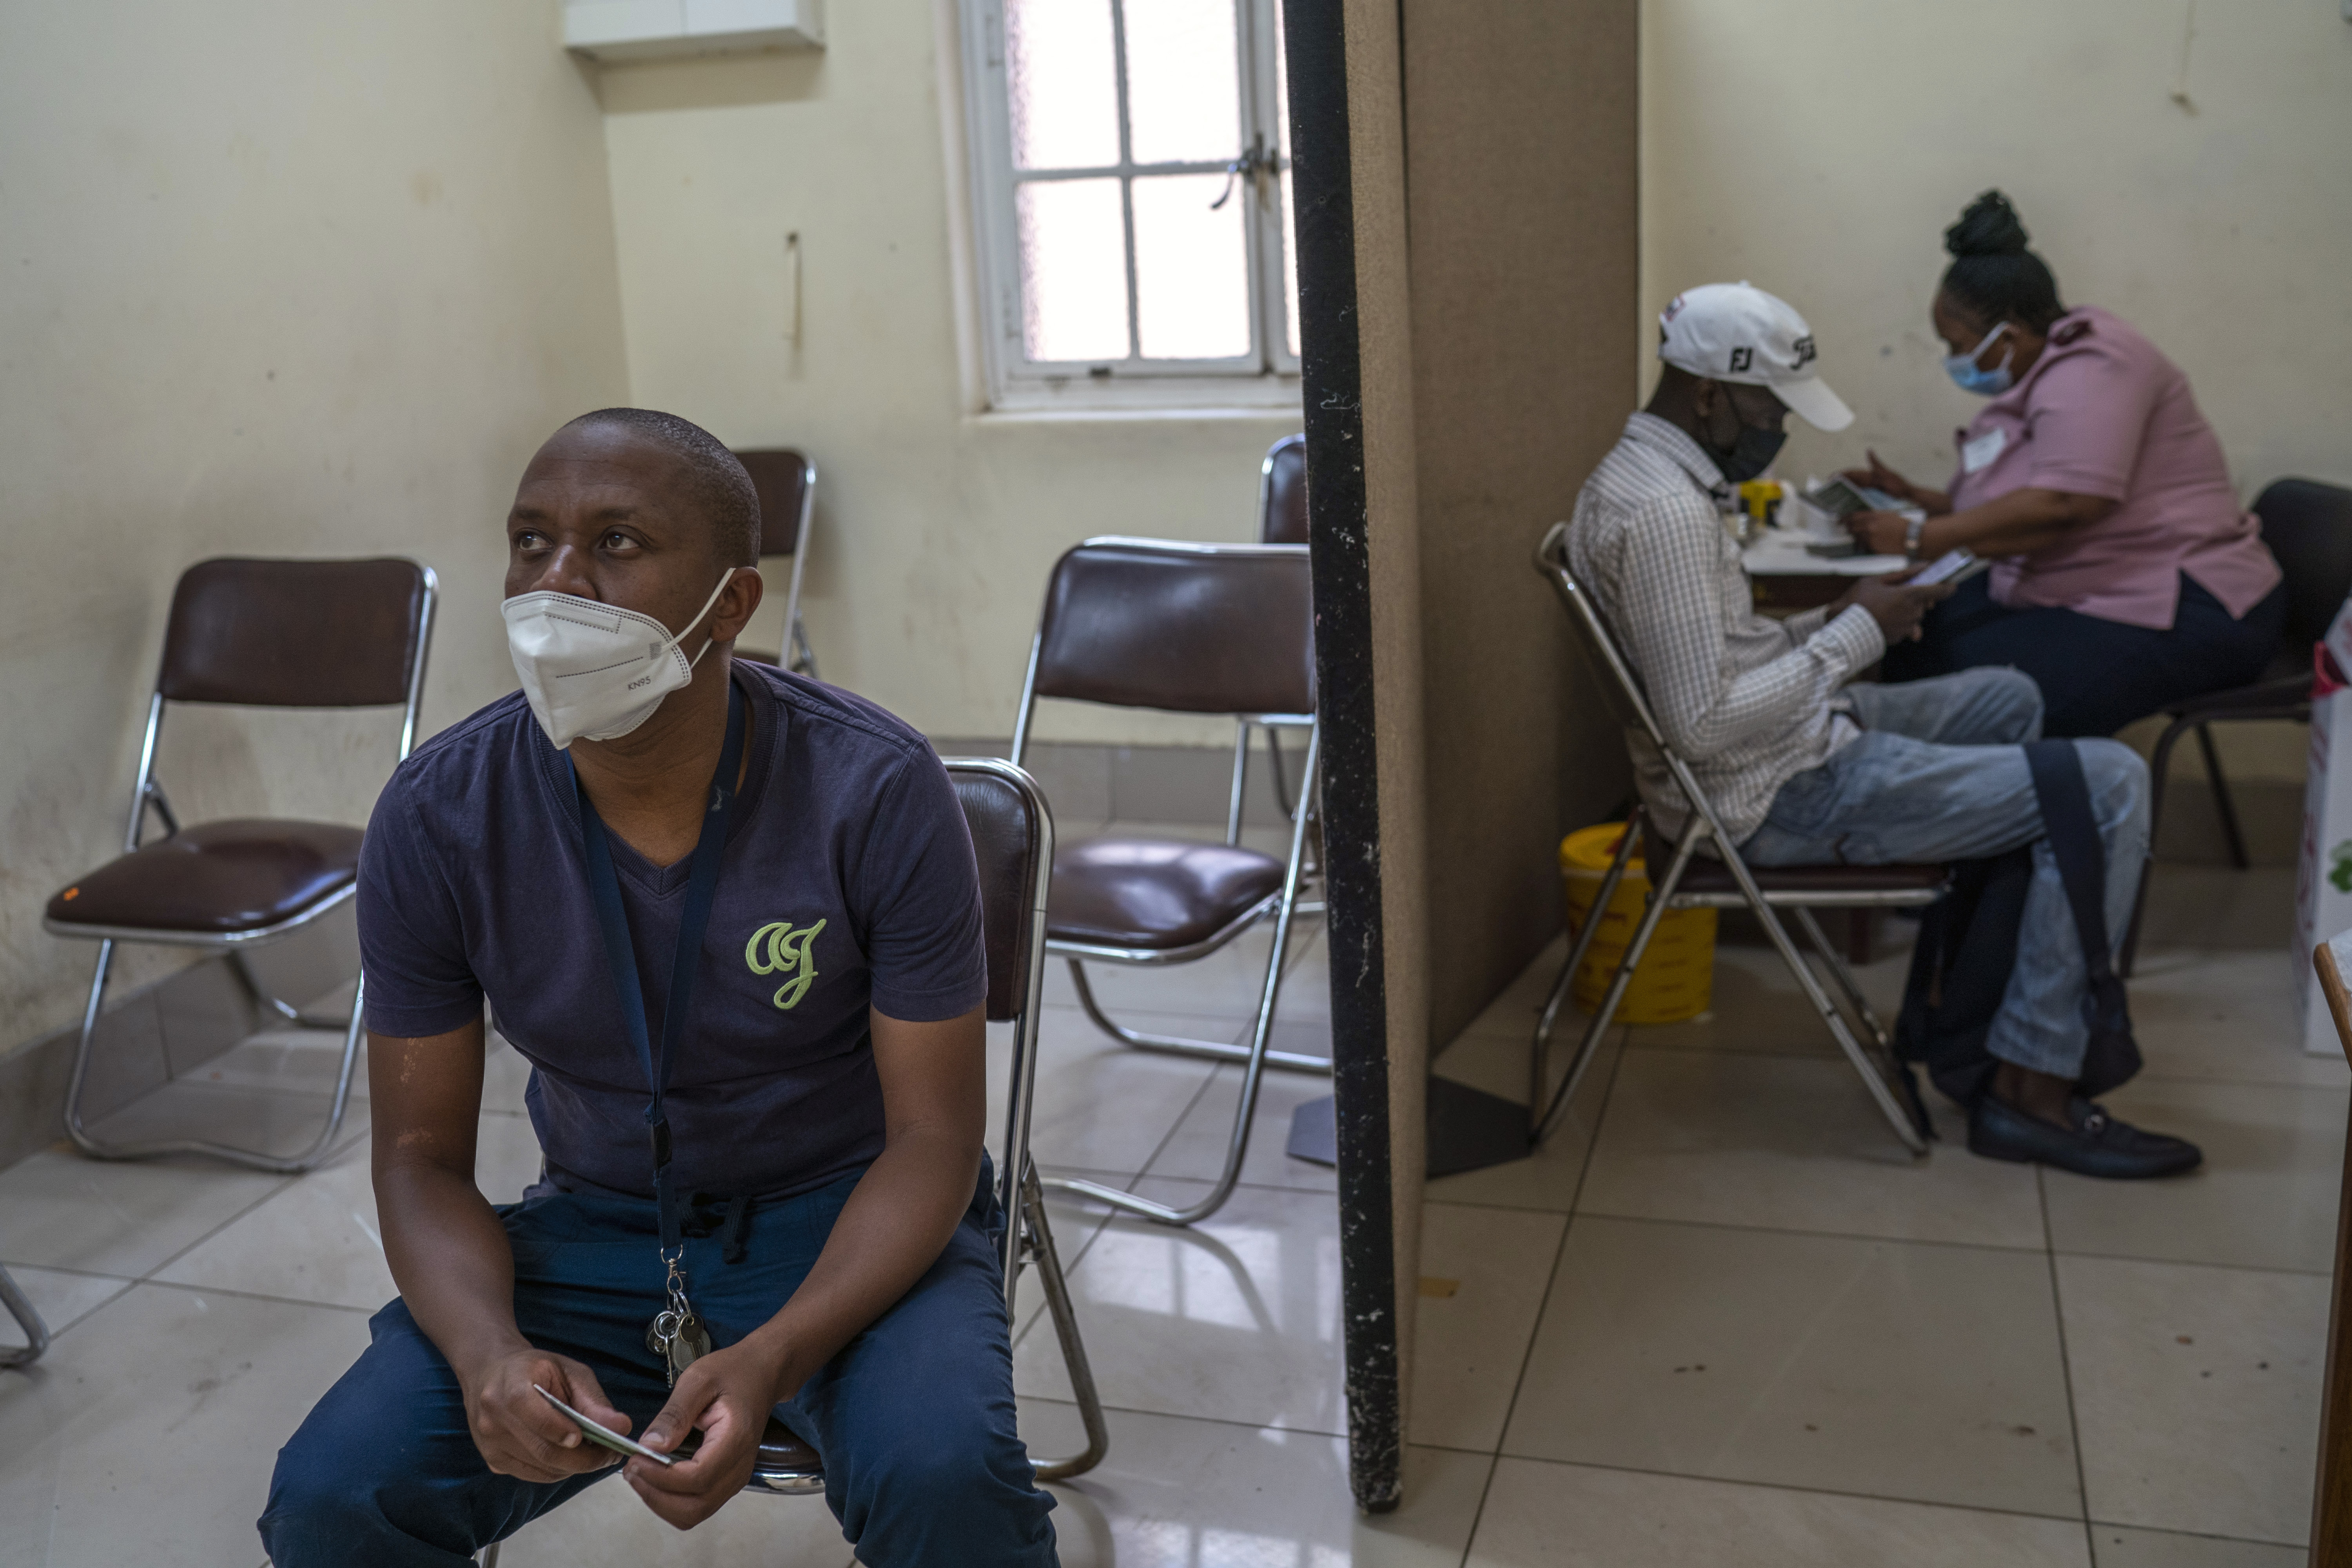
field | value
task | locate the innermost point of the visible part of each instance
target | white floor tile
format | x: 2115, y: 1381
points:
x: 62, y: 1209
x: 149, y: 1433
x: 1235, y: 1319
x: 2112, y: 1546
x: 1100, y: 1105
x: 62, y: 1299
x: 1483, y: 1271
x: 1176, y: 1493
x: 1197, y: 1148
x: 1569, y: 1516
x: 1926, y: 1374
x: 318, y: 1238
x: 2197, y: 1395
x: 607, y: 1524
x: 1790, y: 1143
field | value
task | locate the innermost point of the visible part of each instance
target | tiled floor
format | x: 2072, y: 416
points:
x: 1721, y: 1317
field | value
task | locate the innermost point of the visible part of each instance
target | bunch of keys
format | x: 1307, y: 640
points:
x: 675, y: 1334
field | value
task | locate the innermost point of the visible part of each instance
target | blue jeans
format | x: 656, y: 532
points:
x: 914, y: 1418
x: 1939, y: 773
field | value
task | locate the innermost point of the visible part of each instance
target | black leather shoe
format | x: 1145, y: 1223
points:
x: 2095, y: 1144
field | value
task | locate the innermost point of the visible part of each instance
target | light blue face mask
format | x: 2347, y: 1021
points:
x: 1969, y: 377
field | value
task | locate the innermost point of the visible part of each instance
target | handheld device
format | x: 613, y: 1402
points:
x: 1842, y: 498
x: 603, y: 1437
x: 1952, y: 567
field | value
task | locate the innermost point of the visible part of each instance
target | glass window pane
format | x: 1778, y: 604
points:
x: 1073, y: 271
x: 1191, y: 268
x: 1060, y: 78
x: 1183, y: 81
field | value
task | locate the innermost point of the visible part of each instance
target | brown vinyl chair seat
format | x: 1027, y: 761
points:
x: 1158, y: 894
x: 217, y: 879
x: 1713, y: 879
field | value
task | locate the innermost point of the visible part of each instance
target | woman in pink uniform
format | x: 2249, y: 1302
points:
x: 2125, y: 574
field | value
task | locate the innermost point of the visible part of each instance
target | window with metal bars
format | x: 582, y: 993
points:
x: 1131, y: 179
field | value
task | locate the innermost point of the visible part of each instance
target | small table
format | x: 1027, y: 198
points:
x: 1788, y: 579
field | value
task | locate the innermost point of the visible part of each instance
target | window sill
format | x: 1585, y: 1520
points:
x: 1178, y: 397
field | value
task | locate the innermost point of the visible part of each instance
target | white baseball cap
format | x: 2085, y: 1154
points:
x: 1735, y: 331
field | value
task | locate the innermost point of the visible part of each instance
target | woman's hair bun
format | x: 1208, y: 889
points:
x: 1989, y: 227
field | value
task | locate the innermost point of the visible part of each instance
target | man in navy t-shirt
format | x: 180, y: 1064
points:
x: 767, y: 1195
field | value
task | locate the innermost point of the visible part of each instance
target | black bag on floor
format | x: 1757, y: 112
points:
x: 1968, y: 945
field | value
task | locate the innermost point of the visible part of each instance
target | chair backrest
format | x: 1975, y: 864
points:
x: 1620, y: 686
x: 1189, y: 629
x: 787, y: 485
x: 1282, y: 493
x: 1013, y: 839
x: 297, y: 634
x: 2308, y: 526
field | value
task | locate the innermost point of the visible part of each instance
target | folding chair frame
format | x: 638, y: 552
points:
x: 1284, y: 907
x: 1703, y: 826
x: 36, y: 1332
x: 147, y: 795
x: 1028, y: 1239
x: 797, y: 656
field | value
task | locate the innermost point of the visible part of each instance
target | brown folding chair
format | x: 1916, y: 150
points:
x: 261, y: 633
x: 1013, y: 839
x: 1186, y: 628
x: 1281, y: 520
x: 1725, y: 882
x: 787, y: 485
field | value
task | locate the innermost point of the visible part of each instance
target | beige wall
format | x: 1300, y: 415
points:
x: 275, y: 278
x: 1522, y: 271
x: 936, y: 525
x: 1819, y: 147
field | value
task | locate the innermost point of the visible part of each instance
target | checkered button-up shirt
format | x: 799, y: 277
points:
x: 1746, y: 701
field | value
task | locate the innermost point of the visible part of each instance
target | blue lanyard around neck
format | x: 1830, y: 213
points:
x: 613, y: 919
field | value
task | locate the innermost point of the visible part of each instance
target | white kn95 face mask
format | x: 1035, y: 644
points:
x: 596, y: 671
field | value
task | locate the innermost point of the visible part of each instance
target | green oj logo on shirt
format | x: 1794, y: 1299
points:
x: 2339, y: 871
x: 780, y: 948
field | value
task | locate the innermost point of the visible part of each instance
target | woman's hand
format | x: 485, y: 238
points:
x: 1879, y: 477
x: 1880, y: 532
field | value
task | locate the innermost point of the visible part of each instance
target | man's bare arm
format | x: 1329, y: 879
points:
x: 894, y: 1227
x: 450, y: 1259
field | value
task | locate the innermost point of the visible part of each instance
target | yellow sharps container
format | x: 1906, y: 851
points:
x: 1676, y: 978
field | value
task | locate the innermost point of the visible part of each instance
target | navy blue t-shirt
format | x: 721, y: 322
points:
x: 847, y: 879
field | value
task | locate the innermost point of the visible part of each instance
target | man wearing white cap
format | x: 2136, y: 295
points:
x: 1805, y: 769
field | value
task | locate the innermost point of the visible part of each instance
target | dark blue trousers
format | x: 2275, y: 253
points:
x: 914, y: 1418
x: 2096, y: 676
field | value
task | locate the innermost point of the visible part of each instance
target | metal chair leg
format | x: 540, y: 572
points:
x: 1175, y: 1045
x: 253, y: 1159
x: 1253, y: 1069
x: 268, y: 1001
x: 1065, y: 1329
x: 798, y: 656
x: 489, y: 1557
x: 36, y: 1332
x: 1844, y: 977
x: 2159, y: 770
x: 1539, y: 1052
x: 2222, y: 802
x: 1653, y: 913
x: 1913, y: 1137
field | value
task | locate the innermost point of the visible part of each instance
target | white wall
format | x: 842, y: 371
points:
x: 934, y: 525
x: 1818, y: 148
x: 275, y: 278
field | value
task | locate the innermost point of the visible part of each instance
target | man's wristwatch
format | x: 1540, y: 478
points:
x: 1912, y: 530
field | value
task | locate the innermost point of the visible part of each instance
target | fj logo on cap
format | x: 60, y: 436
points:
x: 784, y: 949
x: 1743, y: 358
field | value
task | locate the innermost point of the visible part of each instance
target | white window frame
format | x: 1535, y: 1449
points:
x: 1267, y: 378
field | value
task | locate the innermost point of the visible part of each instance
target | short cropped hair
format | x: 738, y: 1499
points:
x: 715, y: 478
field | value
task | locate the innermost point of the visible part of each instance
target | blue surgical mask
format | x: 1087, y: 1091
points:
x: 1968, y: 376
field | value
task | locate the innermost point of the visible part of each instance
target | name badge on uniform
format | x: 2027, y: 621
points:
x: 1979, y: 454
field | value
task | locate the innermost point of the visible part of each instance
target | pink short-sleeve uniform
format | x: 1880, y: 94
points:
x: 2102, y: 413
